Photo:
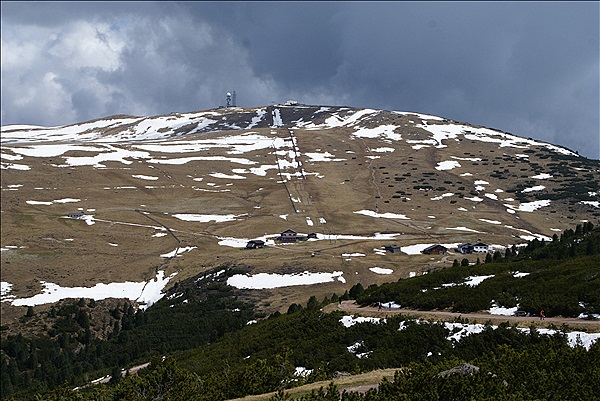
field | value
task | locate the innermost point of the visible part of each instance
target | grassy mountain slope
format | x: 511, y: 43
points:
x: 220, y: 177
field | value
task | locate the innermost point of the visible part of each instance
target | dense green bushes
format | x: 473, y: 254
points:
x: 563, y: 279
x: 263, y: 357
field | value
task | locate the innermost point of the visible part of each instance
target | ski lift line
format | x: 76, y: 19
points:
x: 296, y: 158
x: 373, y: 180
x: 282, y: 180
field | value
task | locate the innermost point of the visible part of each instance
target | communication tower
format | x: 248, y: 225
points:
x: 230, y: 100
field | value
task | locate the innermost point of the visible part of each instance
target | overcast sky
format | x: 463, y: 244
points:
x: 531, y: 69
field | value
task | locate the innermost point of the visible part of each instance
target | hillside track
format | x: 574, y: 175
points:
x: 592, y: 326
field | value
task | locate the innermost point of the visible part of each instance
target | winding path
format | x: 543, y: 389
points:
x: 592, y: 326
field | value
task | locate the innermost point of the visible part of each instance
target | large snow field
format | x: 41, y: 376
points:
x: 146, y: 292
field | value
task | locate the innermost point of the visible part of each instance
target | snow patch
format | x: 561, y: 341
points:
x: 380, y: 270
x: 272, y: 280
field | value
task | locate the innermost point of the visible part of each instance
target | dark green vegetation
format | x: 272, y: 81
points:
x: 563, y: 276
x: 544, y: 371
x: 215, y: 355
x: 198, y: 312
x: 261, y: 358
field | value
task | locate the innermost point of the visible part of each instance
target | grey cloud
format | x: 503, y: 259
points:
x: 527, y: 68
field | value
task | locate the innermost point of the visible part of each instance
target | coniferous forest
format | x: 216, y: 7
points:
x: 201, y: 347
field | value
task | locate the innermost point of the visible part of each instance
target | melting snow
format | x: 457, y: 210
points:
x: 205, y: 218
x: 380, y: 270
x: 349, y: 321
x: 447, y: 165
x: 5, y: 289
x: 529, y: 207
x: 277, y: 122
x: 177, y: 251
x: 463, y: 229
x: 532, y: 189
x: 148, y: 292
x: 380, y: 131
x: 474, y: 281
x: 440, y: 198
x: 322, y: 157
x: 382, y: 215
x: 474, y: 199
x: 272, y: 280
x: 12, y: 166
x: 10, y: 157
x: 383, y: 149
x: 226, y: 176
x: 500, y: 310
x: 145, y: 177
x: 418, y: 248
x: 31, y: 202
x: 490, y: 221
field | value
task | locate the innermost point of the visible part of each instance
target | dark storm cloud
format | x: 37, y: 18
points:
x: 527, y: 68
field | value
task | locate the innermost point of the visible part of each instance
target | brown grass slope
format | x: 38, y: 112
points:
x: 441, y: 206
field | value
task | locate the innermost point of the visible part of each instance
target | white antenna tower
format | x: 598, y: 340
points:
x: 228, y: 100
x: 234, y: 99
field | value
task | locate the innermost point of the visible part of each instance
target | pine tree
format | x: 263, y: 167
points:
x: 356, y: 291
x: 313, y: 304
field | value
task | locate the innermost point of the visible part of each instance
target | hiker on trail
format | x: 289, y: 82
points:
x: 542, y: 316
x: 379, y: 306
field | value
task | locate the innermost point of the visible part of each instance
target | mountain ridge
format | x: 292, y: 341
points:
x: 261, y: 117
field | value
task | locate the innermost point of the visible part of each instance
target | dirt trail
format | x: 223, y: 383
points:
x: 574, y: 323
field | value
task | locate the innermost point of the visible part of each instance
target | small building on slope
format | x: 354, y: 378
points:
x: 435, y: 249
